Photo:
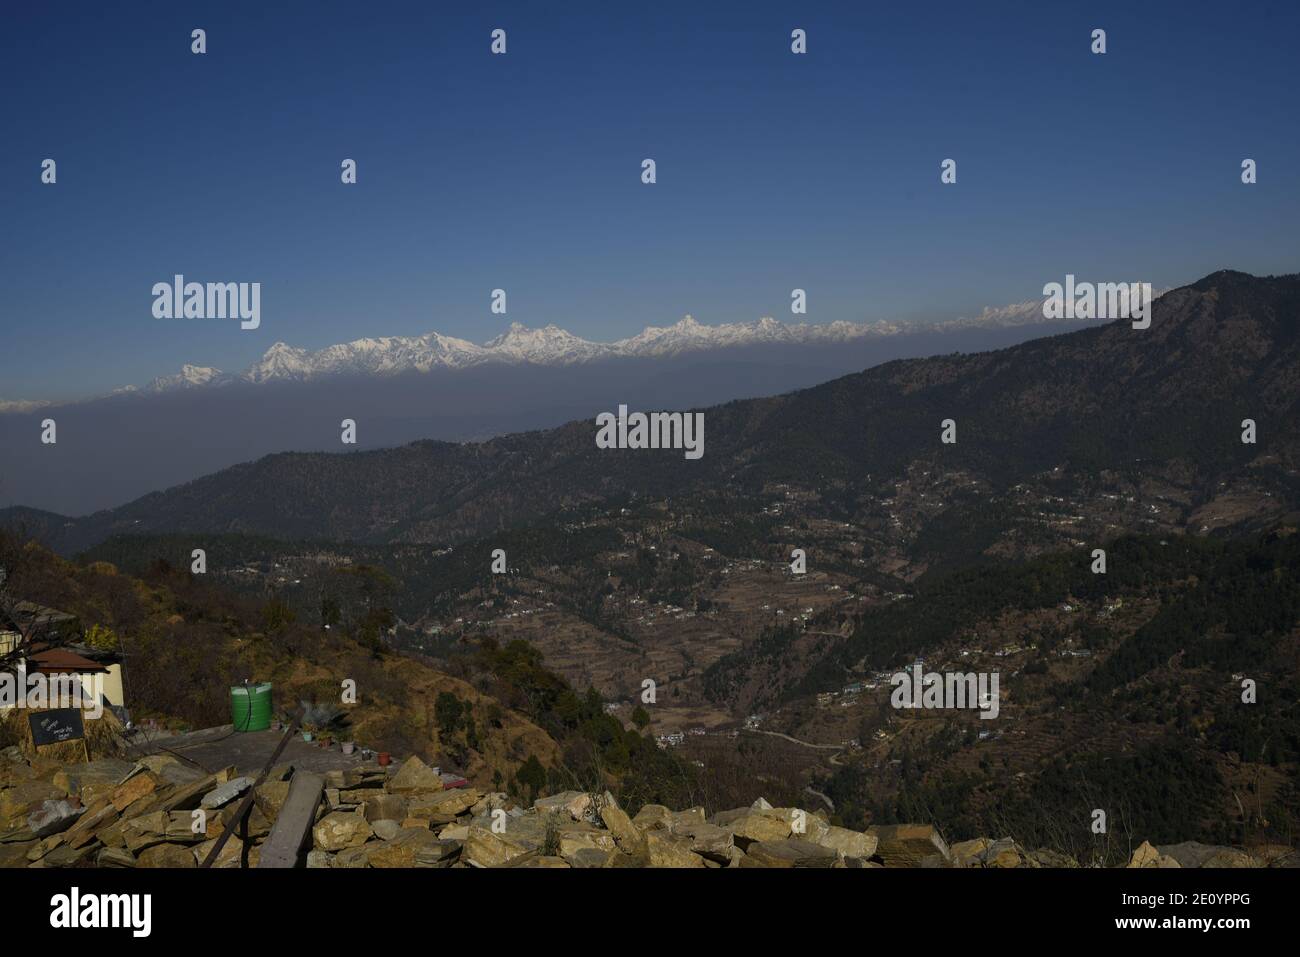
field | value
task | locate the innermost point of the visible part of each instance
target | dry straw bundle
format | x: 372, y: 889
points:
x: 103, y: 737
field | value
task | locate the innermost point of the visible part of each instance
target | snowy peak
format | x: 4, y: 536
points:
x: 189, y: 377
x: 22, y: 405
x: 550, y: 345
x: 281, y: 361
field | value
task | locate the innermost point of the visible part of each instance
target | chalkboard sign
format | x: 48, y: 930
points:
x: 51, y: 727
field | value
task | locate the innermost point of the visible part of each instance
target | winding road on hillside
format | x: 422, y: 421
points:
x: 837, y: 748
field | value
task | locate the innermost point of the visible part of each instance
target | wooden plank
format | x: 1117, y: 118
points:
x: 291, y: 832
x: 240, y: 819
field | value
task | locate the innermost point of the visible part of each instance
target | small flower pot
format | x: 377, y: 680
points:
x: 348, y: 747
x: 385, y: 759
x: 306, y: 735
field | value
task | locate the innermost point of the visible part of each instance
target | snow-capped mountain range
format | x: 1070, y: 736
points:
x: 554, y: 346
x: 548, y: 346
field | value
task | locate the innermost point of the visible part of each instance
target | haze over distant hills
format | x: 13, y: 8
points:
x: 401, y: 389
x: 1164, y: 403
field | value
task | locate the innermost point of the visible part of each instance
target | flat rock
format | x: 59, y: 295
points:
x: 803, y: 825
x: 710, y: 841
x: 441, y: 853
x: 403, y: 849
x: 1148, y: 856
x: 664, y: 850
x: 44, y: 847
x: 792, y: 853
x: 66, y: 856
x: 15, y: 854
x: 114, y: 857
x: 101, y: 775
x: 335, y: 779
x: 223, y: 794
x: 483, y: 848
x: 415, y: 775
x: 341, y: 829
x: 363, y: 775
x: 22, y: 799
x: 270, y: 798
x: 588, y: 857
x: 679, y: 822
x: 1004, y: 854
x: 159, y: 827
x: 353, y: 857
x: 167, y: 855
x: 575, y: 804
x: 489, y: 802
x: 385, y: 807
x: 1045, y: 857
x: 969, y: 853
x: 134, y: 789
x: 53, y: 817
x: 441, y: 804
x: 761, y: 825
x: 620, y: 825
x: 231, y: 856
x: 653, y: 817
x: 908, y: 845
x: 255, y: 825
x: 847, y: 843
x: 578, y: 836
x: 1195, y: 854
x: 386, y: 829
x: 186, y: 797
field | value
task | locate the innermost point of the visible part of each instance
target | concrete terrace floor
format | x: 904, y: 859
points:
x: 215, y: 748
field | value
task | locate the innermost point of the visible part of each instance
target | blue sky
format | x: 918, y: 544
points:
x: 523, y: 171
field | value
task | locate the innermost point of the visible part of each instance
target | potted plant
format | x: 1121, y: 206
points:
x: 348, y: 746
x: 318, y: 720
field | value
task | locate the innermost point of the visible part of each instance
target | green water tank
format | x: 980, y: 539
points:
x: 250, y: 707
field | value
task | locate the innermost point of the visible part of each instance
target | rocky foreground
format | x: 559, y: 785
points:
x: 161, y: 812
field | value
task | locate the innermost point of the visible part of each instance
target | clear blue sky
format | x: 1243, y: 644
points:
x: 523, y: 171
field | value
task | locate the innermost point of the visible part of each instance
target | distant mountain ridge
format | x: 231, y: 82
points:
x: 1169, y: 399
x: 551, y: 345
x: 546, y: 346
